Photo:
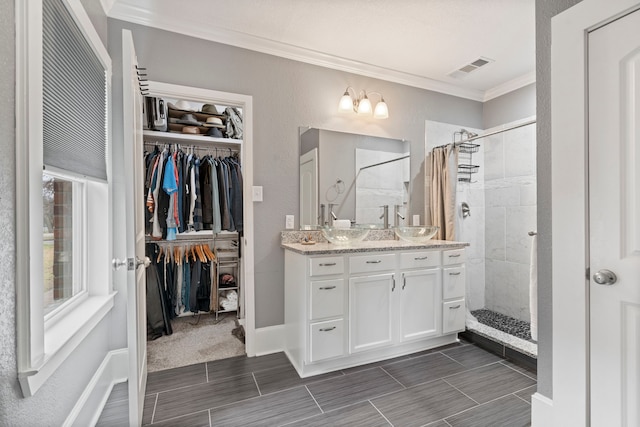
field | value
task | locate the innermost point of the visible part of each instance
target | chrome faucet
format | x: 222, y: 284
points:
x: 322, y: 219
x: 396, y: 215
x: 332, y: 216
x: 385, y: 215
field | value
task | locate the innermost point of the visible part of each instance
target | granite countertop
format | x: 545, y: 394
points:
x: 323, y: 248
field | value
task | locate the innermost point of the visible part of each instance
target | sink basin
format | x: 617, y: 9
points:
x: 344, y: 236
x: 416, y: 233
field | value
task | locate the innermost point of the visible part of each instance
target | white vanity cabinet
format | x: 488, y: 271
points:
x: 370, y: 311
x: 350, y: 308
x: 453, y: 291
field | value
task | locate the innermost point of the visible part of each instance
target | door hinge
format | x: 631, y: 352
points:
x: 588, y: 273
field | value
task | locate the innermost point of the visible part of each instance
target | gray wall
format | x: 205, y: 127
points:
x: 53, y: 402
x: 545, y: 10
x: 512, y: 106
x: 287, y: 94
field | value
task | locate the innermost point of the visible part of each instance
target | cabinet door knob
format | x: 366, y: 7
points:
x: 327, y: 329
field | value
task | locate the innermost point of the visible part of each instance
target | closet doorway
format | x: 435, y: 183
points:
x: 200, y: 298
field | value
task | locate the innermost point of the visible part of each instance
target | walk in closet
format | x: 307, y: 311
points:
x: 194, y: 226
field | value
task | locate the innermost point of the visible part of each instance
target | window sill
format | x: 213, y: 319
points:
x: 63, y: 337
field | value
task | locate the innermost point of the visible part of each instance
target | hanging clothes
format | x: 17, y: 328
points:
x: 187, y: 193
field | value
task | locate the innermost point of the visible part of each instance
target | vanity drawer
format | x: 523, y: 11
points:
x: 453, y: 256
x: 327, y: 340
x: 326, y: 265
x: 371, y: 263
x: 453, y: 282
x: 453, y: 316
x: 419, y: 259
x: 327, y: 299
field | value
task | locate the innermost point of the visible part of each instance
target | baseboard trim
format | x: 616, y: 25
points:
x: 269, y: 340
x: 113, y: 369
x: 541, y: 411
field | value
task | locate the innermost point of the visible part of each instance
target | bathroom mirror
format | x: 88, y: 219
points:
x: 351, y: 177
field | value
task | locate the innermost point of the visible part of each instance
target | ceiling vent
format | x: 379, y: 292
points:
x: 467, y: 69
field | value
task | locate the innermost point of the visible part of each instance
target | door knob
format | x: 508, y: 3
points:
x: 116, y: 263
x: 605, y: 277
x: 131, y: 263
x: 146, y: 262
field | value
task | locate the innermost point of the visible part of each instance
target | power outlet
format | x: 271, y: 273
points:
x: 288, y: 222
x: 416, y: 219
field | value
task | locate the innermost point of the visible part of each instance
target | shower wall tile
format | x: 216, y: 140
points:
x: 493, y: 157
x: 475, y: 284
x: 520, y: 152
x: 528, y: 196
x: 501, y: 193
x: 509, y: 284
x: 495, y: 233
x: 519, y: 221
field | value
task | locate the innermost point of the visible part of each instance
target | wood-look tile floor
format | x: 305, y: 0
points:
x: 457, y: 385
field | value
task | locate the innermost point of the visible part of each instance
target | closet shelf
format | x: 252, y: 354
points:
x: 181, y: 138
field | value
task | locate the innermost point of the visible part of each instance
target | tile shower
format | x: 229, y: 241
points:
x: 502, y: 200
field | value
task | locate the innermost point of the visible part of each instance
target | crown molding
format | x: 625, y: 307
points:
x: 142, y: 16
x: 510, y: 86
x: 149, y: 18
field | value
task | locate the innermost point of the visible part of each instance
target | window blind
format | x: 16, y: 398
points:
x: 74, y: 96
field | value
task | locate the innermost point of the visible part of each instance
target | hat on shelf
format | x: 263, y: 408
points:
x: 191, y: 129
x: 227, y: 279
x: 214, y: 122
x: 181, y: 105
x: 189, y: 119
x: 209, y: 109
x: 215, y: 132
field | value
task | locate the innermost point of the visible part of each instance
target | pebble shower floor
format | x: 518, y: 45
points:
x: 501, y: 322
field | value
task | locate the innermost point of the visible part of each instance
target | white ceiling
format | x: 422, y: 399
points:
x: 413, y: 42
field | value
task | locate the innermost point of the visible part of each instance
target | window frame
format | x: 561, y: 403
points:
x: 43, y: 344
x: 79, y: 237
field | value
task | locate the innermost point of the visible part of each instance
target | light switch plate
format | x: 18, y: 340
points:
x: 288, y: 222
x: 257, y: 193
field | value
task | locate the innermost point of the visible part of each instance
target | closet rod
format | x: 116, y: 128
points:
x: 194, y: 146
x: 527, y: 123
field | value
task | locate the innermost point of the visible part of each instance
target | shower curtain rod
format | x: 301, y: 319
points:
x: 527, y: 123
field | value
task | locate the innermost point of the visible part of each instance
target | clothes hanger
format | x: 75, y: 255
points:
x: 159, y: 254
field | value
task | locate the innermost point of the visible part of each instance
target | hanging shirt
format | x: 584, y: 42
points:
x: 170, y: 186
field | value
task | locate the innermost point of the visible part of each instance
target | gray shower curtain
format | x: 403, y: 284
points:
x: 443, y: 180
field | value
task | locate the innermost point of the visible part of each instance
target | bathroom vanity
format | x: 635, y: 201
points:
x: 348, y: 305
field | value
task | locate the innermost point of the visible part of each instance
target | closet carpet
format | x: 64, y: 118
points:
x: 194, y: 341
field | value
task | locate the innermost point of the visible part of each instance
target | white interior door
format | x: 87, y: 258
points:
x: 614, y: 221
x: 309, y: 188
x: 136, y: 280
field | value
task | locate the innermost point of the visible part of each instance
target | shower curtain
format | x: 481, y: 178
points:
x: 443, y: 180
